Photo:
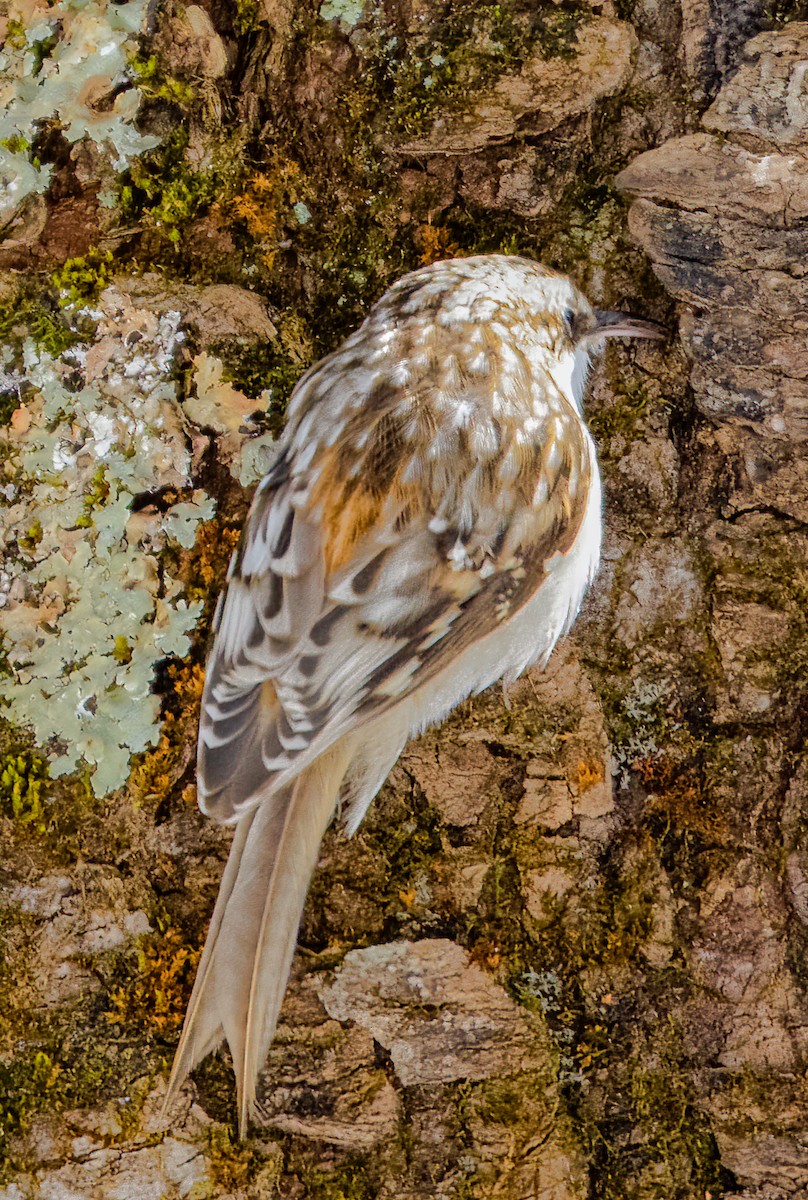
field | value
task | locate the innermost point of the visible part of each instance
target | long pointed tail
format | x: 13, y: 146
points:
x: 245, y: 965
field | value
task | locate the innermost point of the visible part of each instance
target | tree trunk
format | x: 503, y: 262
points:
x: 564, y: 957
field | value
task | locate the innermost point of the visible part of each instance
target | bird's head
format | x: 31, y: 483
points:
x: 554, y: 300
x: 578, y: 330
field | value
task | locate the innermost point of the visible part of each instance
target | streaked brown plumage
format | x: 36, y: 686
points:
x: 429, y: 525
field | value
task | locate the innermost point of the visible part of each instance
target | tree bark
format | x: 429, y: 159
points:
x: 564, y: 957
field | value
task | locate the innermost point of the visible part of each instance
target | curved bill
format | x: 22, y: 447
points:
x: 619, y: 324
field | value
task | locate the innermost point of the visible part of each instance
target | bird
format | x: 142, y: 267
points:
x: 429, y: 525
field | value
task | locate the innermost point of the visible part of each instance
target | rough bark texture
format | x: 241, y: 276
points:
x: 564, y: 958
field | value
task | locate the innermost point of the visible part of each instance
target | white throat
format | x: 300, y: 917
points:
x: 570, y: 373
x: 580, y: 374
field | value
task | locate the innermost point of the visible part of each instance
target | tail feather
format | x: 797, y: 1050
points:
x: 202, y: 1029
x: 245, y: 965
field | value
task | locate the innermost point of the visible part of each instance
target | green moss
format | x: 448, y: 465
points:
x: 79, y: 280
x: 163, y: 189
x: 608, y: 925
x: 590, y: 948
x: 381, y: 882
x: 523, y: 1112
x: 329, y: 269
x: 16, y: 34
x: 40, y: 50
x: 95, y: 497
x: 410, y: 81
x: 235, y: 1165
x: 663, y: 745
x: 23, y: 784
x: 584, y: 233
x: 29, y: 1083
x: 353, y: 248
x: 353, y: 1179
x: 783, y: 12
x: 636, y: 1119
x: 755, y: 1101
x: 520, y: 728
x: 246, y: 16
x: 9, y: 405
x: 412, y: 847
x: 622, y: 417
x: 66, y: 1057
x: 771, y: 568
x: 652, y: 1143
x: 16, y: 144
x: 557, y: 33
x: 57, y: 810
x: 33, y: 316
x: 53, y: 1059
x: 514, y: 1101
x: 67, y: 1060
x: 156, y: 84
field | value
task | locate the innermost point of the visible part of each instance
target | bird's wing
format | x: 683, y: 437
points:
x: 395, y: 529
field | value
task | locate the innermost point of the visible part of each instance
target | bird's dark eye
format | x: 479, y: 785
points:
x: 571, y: 322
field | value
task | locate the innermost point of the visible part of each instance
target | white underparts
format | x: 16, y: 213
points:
x: 526, y: 637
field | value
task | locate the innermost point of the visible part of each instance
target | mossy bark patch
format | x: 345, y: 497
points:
x: 565, y: 954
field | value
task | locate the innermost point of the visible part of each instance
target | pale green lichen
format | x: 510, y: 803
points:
x: 347, y: 11
x: 255, y: 459
x: 216, y: 404
x: 66, y: 63
x: 86, y: 609
x: 646, y: 723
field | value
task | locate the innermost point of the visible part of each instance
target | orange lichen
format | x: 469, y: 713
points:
x: 266, y: 203
x: 202, y: 572
x: 587, y: 775
x: 674, y: 791
x: 434, y: 243
x: 206, y: 567
x: 159, y: 769
x: 487, y: 954
x: 157, y: 995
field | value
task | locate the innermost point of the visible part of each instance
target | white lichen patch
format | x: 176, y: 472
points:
x: 88, y: 608
x: 254, y: 461
x: 349, y: 12
x: 216, y: 404
x: 66, y: 63
x: 646, y: 709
